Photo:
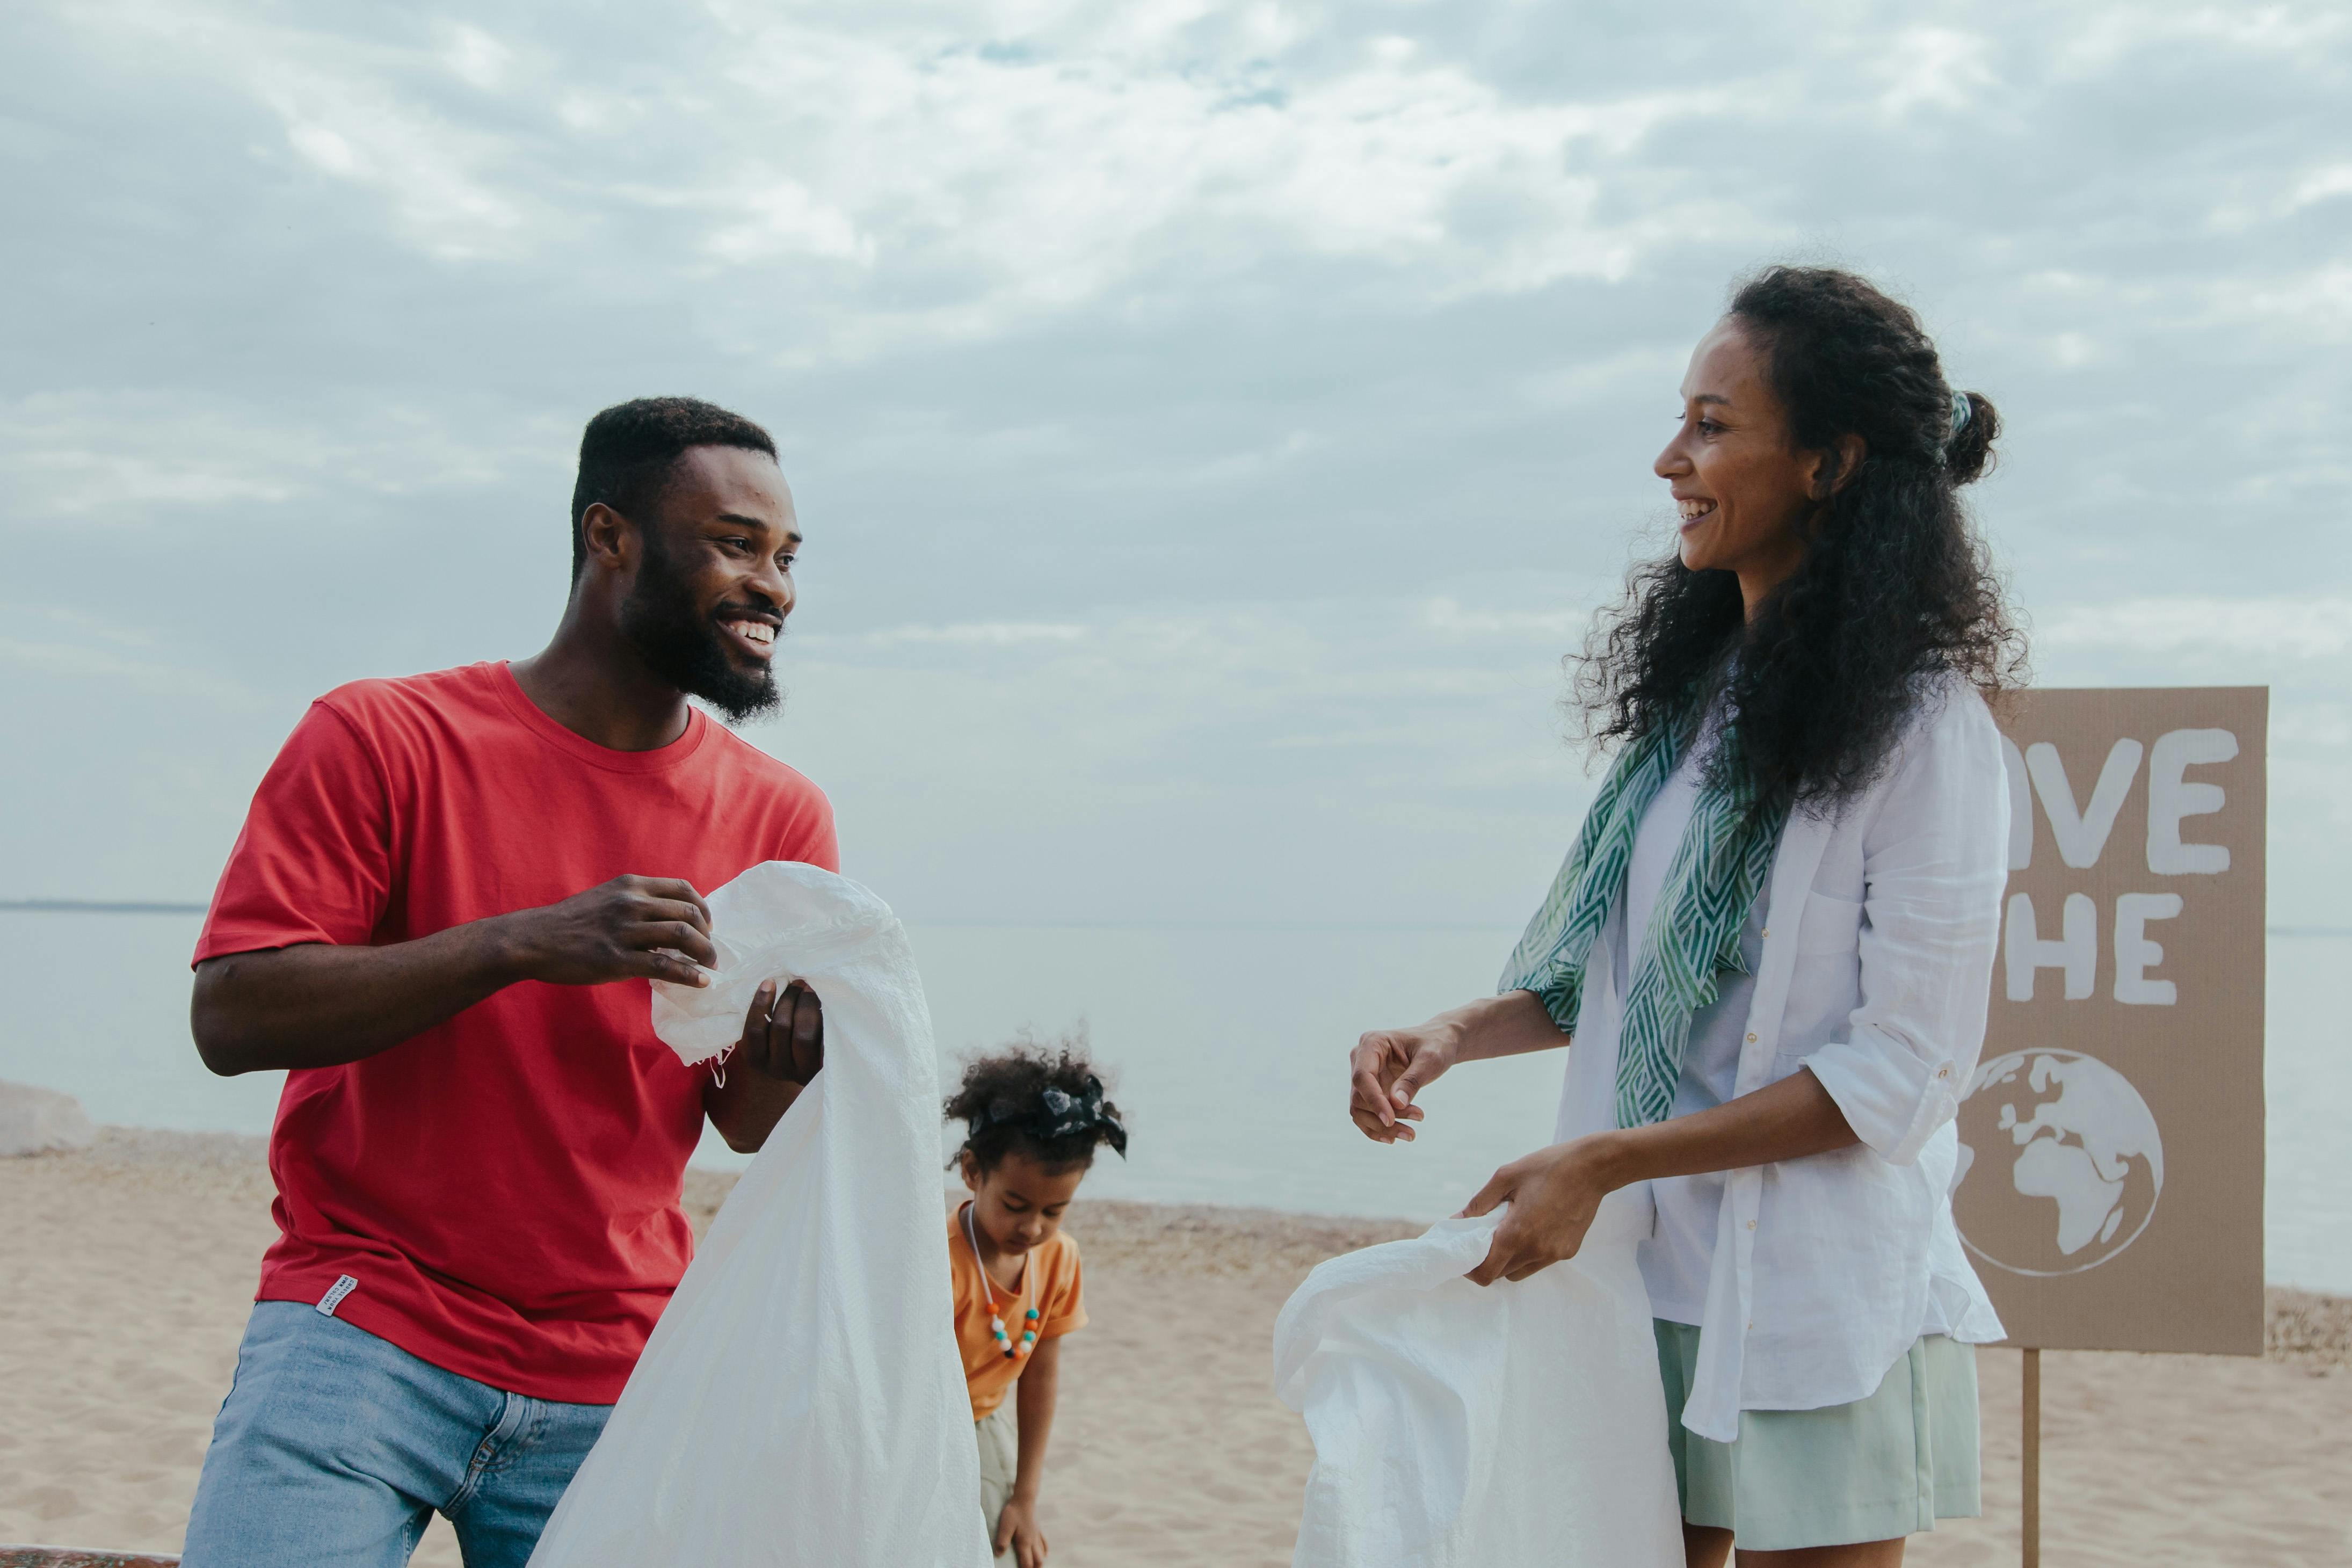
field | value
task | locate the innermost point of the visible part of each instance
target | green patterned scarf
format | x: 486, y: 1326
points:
x: 1717, y: 871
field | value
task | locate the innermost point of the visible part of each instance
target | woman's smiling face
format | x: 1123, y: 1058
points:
x: 1744, y: 490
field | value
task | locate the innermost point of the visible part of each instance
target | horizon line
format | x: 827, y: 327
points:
x: 166, y: 907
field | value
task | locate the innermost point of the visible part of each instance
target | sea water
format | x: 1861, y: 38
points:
x: 1226, y: 1046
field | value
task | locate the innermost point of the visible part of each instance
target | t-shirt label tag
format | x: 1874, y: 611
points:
x: 343, y: 1286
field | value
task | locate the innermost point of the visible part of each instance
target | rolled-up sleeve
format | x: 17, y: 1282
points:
x: 1935, y: 860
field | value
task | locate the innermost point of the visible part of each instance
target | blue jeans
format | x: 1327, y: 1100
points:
x: 334, y: 1449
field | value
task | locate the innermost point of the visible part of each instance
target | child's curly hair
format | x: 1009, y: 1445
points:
x: 1044, y: 1099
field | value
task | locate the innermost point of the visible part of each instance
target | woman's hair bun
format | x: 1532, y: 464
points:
x: 1968, y: 453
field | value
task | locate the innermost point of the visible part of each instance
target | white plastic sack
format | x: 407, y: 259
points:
x: 758, y: 924
x: 1504, y: 1427
x: 801, y: 1400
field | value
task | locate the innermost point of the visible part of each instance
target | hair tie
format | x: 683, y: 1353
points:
x: 1056, y: 1113
x: 1962, y: 410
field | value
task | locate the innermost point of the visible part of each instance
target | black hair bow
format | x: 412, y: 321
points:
x: 1056, y: 1113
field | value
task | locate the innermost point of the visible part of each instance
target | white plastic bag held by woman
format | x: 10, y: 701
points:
x: 801, y: 1401
x: 1509, y: 1426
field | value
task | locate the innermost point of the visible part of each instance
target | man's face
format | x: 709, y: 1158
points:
x: 714, y: 582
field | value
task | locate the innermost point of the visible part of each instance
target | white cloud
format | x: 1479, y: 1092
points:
x: 2325, y: 724
x: 781, y: 219
x: 353, y: 111
x: 1035, y: 185
x: 90, y: 456
x: 69, y: 662
x: 2294, y: 629
x: 978, y: 634
x: 430, y: 172
x: 988, y: 189
x: 1449, y: 617
x: 1224, y: 406
x: 325, y: 149
x: 2069, y: 350
x: 2281, y: 195
x: 475, y: 57
x: 2101, y: 39
x: 2313, y: 303
x: 2320, y: 185
x: 1935, y: 68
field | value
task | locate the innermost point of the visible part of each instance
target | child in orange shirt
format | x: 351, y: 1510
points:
x: 1034, y: 1118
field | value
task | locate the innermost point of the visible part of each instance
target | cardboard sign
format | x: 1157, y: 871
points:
x: 2110, y: 1187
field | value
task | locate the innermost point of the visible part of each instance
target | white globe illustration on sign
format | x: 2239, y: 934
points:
x: 2059, y: 1167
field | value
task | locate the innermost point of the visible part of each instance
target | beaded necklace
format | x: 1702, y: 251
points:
x: 995, y: 1321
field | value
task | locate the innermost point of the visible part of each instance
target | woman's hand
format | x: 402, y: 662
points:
x: 1553, y: 1193
x: 1388, y: 1068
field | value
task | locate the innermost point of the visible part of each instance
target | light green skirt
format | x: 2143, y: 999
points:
x: 1889, y: 1464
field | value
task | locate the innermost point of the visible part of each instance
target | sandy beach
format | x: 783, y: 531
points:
x: 126, y: 1271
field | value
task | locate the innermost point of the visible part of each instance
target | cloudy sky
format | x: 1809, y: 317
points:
x: 1212, y: 422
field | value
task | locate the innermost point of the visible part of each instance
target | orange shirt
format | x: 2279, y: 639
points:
x: 1049, y: 1282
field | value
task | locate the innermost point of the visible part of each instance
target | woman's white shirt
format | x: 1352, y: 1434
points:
x: 1871, y: 956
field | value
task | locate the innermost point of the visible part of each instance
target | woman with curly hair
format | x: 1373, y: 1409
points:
x: 1772, y: 941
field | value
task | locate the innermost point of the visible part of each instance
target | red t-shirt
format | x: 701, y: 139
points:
x: 503, y: 1187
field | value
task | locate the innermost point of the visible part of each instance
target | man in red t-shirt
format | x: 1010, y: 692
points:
x: 439, y: 920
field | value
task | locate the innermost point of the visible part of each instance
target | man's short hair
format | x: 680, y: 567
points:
x: 628, y: 452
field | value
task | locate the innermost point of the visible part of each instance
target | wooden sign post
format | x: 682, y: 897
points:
x: 2030, y: 1510
x: 2109, y: 1186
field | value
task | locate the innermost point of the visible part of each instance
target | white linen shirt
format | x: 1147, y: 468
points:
x: 1880, y: 926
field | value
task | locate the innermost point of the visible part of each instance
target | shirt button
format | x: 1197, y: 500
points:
x: 1752, y: 1039
x: 1767, y: 931
x: 1751, y: 1225
x: 1943, y: 1072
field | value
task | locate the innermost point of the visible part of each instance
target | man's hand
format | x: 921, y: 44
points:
x: 1387, y: 1069
x: 614, y: 932
x: 320, y: 1004
x: 1553, y: 1193
x: 782, y: 1049
x: 1016, y: 1529
x: 784, y: 1037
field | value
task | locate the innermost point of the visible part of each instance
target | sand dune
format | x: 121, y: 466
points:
x: 126, y: 1271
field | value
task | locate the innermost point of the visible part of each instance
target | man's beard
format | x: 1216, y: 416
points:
x: 684, y: 647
